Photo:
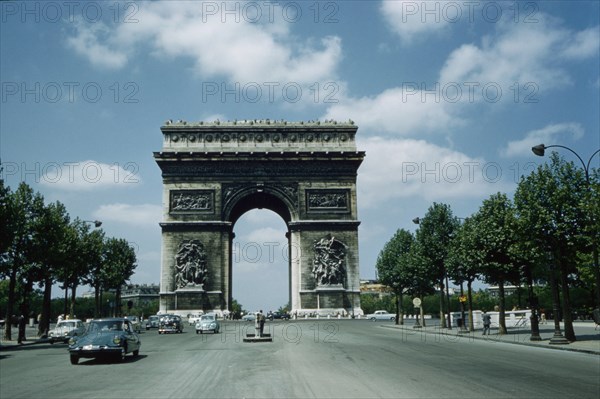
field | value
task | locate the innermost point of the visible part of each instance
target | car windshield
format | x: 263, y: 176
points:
x: 67, y: 324
x: 105, y: 325
x: 208, y: 317
x: 153, y: 318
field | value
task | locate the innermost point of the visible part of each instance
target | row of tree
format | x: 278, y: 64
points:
x: 547, y: 235
x: 40, y: 245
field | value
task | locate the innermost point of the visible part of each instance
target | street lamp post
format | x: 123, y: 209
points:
x: 539, y: 150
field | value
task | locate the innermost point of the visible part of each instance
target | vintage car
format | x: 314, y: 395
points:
x: 170, y: 323
x: 113, y: 337
x: 135, y: 323
x: 194, y: 318
x: 152, y: 322
x: 208, y: 322
x: 278, y: 315
x: 381, y: 315
x: 65, y: 329
x: 249, y: 317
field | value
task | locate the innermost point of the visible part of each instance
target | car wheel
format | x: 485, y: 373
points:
x: 147, y: 328
x: 74, y: 359
x: 393, y: 319
x: 136, y: 352
x: 373, y: 319
x: 197, y: 332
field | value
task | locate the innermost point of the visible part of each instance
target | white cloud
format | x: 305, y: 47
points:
x: 532, y: 57
x: 240, y: 51
x: 87, y: 43
x: 394, y: 169
x: 89, y: 175
x: 413, y: 20
x: 521, y: 54
x: 404, y: 111
x: 144, y: 215
x: 546, y: 135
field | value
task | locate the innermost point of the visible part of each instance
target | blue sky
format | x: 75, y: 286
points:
x: 449, y: 97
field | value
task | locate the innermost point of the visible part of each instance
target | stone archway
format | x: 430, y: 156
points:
x: 215, y: 172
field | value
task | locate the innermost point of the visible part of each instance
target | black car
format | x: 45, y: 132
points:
x: 170, y: 323
x: 113, y: 337
x: 278, y: 315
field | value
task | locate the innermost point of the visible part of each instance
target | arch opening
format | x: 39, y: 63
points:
x: 260, y: 264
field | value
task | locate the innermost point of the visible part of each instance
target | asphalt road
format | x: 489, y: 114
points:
x: 324, y: 359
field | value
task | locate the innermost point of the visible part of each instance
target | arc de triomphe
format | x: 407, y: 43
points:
x: 215, y: 172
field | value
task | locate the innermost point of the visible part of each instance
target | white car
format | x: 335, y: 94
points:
x: 65, y: 330
x: 194, y: 318
x: 381, y: 315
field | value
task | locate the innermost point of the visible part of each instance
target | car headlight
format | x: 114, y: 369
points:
x: 117, y: 340
x: 72, y: 341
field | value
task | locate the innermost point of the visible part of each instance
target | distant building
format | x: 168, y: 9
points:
x: 140, y: 294
x: 375, y: 288
x: 508, y: 290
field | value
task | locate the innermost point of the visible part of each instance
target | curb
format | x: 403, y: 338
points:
x: 472, y: 336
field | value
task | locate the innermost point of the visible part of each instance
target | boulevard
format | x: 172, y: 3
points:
x: 307, y: 359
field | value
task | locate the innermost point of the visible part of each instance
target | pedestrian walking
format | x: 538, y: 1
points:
x: 487, y: 321
x: 543, y: 317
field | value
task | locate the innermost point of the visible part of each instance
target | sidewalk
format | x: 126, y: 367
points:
x: 588, y: 338
x: 30, y: 334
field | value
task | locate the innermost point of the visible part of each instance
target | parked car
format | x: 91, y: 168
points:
x: 113, y: 337
x: 152, y: 322
x: 249, y: 317
x: 278, y: 315
x: 208, y: 322
x: 135, y: 323
x: 381, y: 315
x: 65, y: 329
x: 170, y: 323
x: 194, y: 318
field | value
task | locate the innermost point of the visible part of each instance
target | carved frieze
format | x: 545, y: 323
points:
x: 328, y: 200
x: 190, y: 265
x: 191, y: 201
x: 329, y: 264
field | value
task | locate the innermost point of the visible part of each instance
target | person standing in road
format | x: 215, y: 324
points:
x: 22, y: 325
x: 487, y: 320
x: 261, y: 321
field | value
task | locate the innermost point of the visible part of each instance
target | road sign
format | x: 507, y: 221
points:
x: 417, y: 302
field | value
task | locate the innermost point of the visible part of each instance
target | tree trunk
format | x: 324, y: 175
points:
x: 470, y: 301
x: 399, y: 309
x: 442, y: 316
x: 66, y: 304
x: 96, y: 301
x: 566, y: 305
x: 73, y: 293
x: 501, y: 315
x: 10, y: 304
x: 44, y: 324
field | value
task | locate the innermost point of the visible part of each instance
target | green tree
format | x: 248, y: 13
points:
x: 119, y: 263
x: 464, y: 261
x: 391, y: 267
x: 93, y: 256
x: 434, y: 236
x: 22, y: 208
x: 549, y: 201
x: 52, y: 252
x: 495, y: 224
